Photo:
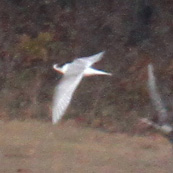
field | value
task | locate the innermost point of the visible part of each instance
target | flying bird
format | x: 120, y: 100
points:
x: 162, y: 123
x: 72, y: 75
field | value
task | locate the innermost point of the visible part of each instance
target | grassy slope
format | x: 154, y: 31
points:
x: 32, y: 146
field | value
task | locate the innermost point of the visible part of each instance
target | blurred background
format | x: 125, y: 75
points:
x: 36, y: 34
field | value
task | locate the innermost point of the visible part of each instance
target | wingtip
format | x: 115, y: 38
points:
x: 54, y: 121
x: 99, y: 54
x: 102, y: 53
x: 150, y: 66
x: 150, y: 70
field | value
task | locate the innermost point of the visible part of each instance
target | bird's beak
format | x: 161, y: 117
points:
x: 58, y: 69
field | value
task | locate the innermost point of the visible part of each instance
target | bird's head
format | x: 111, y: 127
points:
x: 62, y: 69
x: 58, y: 69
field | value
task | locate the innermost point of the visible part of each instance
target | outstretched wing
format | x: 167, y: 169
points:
x: 64, y: 92
x: 68, y: 84
x: 155, y: 96
x: 89, y: 61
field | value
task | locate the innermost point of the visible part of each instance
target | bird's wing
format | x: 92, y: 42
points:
x: 65, y: 89
x: 71, y: 79
x: 155, y: 96
x: 89, y: 61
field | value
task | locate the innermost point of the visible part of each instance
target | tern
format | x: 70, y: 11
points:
x: 72, y: 75
x: 161, y: 122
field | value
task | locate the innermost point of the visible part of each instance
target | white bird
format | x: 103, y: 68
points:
x: 162, y: 122
x: 72, y: 75
x: 155, y: 96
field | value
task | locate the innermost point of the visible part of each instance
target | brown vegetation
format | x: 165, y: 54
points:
x: 34, y: 147
x: 36, y: 34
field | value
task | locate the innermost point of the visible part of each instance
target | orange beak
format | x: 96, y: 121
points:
x: 58, y: 69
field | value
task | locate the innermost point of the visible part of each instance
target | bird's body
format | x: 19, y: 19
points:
x: 72, y: 75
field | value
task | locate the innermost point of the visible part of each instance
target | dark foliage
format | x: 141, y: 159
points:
x: 35, y: 34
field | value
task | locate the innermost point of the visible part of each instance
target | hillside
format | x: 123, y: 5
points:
x: 36, y: 34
